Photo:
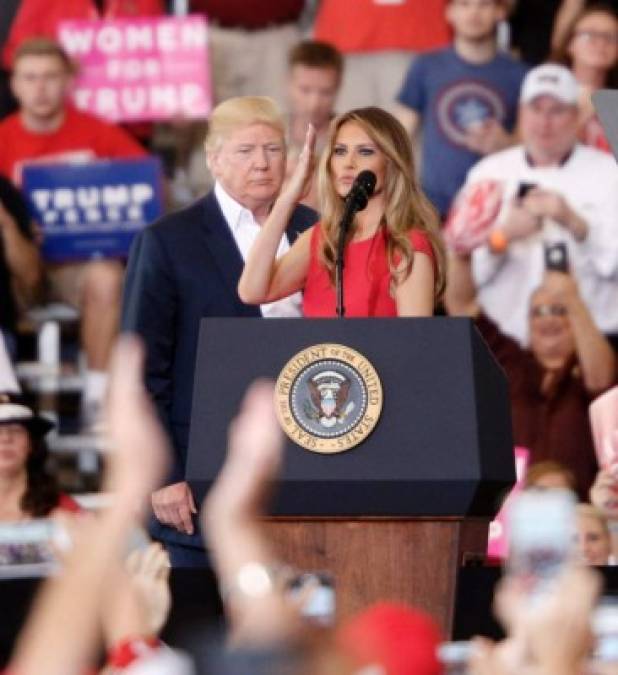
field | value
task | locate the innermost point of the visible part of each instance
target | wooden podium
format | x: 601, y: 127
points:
x: 408, y: 560
x: 394, y: 516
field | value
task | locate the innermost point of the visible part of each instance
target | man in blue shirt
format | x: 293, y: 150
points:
x: 465, y: 98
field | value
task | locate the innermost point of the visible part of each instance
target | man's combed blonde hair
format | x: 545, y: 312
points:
x: 239, y: 112
x: 406, y: 207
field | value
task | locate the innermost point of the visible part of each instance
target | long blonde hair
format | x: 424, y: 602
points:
x: 406, y: 207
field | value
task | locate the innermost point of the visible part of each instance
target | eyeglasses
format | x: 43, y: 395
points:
x: 548, y: 310
x: 591, y: 35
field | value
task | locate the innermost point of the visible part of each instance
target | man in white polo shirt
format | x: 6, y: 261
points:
x: 548, y: 190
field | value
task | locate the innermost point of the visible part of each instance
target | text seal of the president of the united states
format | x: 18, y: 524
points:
x: 328, y: 398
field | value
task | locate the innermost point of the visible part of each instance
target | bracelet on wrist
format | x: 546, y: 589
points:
x: 498, y: 243
x: 125, y: 652
x: 255, y: 580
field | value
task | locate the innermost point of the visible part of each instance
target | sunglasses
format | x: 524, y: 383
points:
x: 548, y: 310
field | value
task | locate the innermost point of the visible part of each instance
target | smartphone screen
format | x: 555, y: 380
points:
x: 557, y: 257
x: 542, y: 536
x: 605, y: 630
x: 316, y: 593
x: 524, y: 188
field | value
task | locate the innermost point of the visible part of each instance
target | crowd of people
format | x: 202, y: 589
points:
x: 495, y: 198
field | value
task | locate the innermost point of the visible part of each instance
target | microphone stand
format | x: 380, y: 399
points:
x: 344, y: 226
x: 356, y: 200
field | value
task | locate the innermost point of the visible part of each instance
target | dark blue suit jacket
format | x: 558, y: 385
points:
x: 184, y: 267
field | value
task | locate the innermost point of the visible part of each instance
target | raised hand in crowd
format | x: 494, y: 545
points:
x: 548, y: 635
x: 139, y: 448
x: 60, y: 637
x: 251, y: 578
x: 595, y: 355
x: 544, y: 203
x: 138, y: 601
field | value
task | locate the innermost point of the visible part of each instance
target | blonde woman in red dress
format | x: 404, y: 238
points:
x: 393, y: 261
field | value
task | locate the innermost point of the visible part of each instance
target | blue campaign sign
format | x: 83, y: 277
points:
x: 93, y: 210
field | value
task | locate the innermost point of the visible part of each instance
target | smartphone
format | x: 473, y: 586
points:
x: 604, y: 624
x: 454, y: 656
x: 557, y: 257
x: 316, y: 592
x: 542, y: 537
x: 523, y: 189
x: 26, y: 549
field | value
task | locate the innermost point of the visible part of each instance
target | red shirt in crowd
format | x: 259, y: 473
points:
x: 40, y: 18
x: 68, y: 504
x: 366, y: 277
x: 80, y: 137
x: 368, y: 26
x: 249, y: 14
x: 552, y: 422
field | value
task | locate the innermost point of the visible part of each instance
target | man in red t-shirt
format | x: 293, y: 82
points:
x: 47, y: 129
x: 378, y: 39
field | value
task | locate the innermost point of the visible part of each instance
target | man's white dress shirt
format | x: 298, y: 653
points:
x: 245, y: 229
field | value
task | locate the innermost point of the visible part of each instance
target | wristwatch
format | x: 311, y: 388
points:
x: 255, y: 580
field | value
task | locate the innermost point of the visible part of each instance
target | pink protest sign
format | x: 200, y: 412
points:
x: 140, y: 69
x: 604, y: 423
x: 498, y: 543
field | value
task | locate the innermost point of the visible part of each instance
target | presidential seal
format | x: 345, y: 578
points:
x: 328, y: 398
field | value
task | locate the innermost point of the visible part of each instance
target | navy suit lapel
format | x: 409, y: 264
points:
x: 222, y: 245
x: 225, y: 253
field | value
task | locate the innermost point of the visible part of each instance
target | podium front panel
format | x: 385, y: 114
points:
x: 442, y: 446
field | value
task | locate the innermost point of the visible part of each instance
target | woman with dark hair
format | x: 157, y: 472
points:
x: 26, y: 489
x: 590, y: 50
x: 394, y: 260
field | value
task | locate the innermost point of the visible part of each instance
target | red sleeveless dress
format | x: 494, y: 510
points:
x: 366, y: 277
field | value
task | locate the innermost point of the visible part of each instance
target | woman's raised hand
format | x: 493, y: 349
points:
x: 299, y: 183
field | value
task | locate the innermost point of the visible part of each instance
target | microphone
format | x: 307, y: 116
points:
x: 362, y: 188
x: 356, y: 200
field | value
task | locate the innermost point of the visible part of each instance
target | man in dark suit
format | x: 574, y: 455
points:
x: 186, y: 266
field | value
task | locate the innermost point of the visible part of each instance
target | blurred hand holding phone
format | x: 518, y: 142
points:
x: 542, y: 539
x: 523, y: 188
x: 604, y: 621
x: 37, y: 547
x: 557, y: 257
x: 314, y: 594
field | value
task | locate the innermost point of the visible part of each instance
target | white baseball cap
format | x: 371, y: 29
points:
x: 550, y: 79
